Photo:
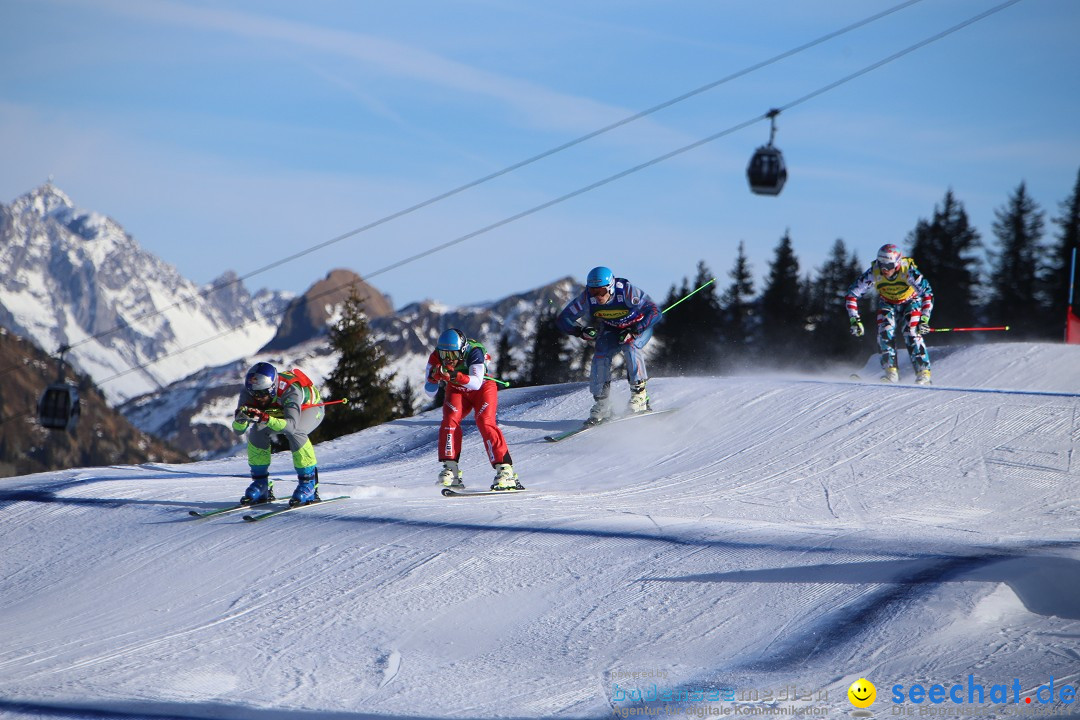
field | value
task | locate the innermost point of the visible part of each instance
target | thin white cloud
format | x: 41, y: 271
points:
x: 541, y: 106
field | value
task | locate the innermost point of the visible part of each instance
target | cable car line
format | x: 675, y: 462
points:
x: 510, y: 168
x: 900, y: 54
x: 563, y: 198
x: 617, y: 176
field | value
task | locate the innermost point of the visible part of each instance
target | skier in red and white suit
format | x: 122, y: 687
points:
x: 460, y: 364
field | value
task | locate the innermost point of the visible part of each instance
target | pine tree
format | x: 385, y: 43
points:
x: 670, y: 337
x: 504, y: 363
x: 737, y: 314
x: 690, y: 333
x: 549, y: 360
x: 359, y: 376
x: 783, y: 311
x: 943, y: 248
x: 1017, y: 296
x: 1066, y: 260
x: 828, y: 310
x: 406, y: 400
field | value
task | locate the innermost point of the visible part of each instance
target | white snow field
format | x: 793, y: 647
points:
x: 753, y: 553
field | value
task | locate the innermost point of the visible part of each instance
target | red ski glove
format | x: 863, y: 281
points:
x: 460, y: 378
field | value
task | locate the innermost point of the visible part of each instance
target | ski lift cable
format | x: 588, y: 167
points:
x: 515, y: 166
x: 678, y: 151
x: 898, y: 55
x: 770, y: 115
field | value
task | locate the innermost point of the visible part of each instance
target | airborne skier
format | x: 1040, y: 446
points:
x: 619, y: 318
x: 903, y: 292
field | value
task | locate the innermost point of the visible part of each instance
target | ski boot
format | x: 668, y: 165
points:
x: 261, y: 490
x: 506, y: 478
x: 307, y: 487
x: 450, y: 476
x: 892, y: 375
x: 639, y: 399
x: 922, y: 376
x: 601, y: 409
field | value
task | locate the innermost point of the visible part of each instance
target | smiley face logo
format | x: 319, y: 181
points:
x: 862, y: 693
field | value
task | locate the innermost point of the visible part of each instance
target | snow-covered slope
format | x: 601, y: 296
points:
x: 769, y: 543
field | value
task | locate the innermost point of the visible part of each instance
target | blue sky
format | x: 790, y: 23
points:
x: 229, y: 135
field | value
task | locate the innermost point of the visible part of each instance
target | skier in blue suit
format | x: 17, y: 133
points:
x: 618, y: 318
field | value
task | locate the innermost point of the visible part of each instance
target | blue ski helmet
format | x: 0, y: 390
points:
x: 601, y: 277
x: 260, y: 382
x: 451, y: 346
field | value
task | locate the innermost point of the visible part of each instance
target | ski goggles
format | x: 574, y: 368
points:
x: 260, y: 397
x: 599, y: 292
x: 450, y: 357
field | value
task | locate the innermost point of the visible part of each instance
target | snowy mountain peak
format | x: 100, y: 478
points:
x: 75, y: 277
x: 43, y: 201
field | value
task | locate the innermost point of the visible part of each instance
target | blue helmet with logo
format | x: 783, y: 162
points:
x: 260, y: 381
x: 601, y: 277
x: 451, y: 346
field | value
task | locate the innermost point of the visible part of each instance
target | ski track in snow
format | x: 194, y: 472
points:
x: 775, y: 532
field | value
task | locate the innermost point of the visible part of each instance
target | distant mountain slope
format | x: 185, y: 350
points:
x: 308, y: 316
x: 75, y: 277
x: 102, y: 436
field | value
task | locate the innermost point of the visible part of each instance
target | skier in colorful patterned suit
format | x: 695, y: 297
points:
x: 903, y: 293
x: 618, y: 318
x: 286, y: 404
x: 460, y: 363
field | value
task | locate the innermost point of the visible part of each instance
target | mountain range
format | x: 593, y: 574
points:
x: 75, y: 278
x: 169, y: 353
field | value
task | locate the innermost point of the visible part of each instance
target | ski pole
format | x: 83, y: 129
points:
x: 687, y: 296
x: 970, y: 329
x: 497, y: 381
x: 343, y: 401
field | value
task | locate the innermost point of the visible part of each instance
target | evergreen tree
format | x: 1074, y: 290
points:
x: 359, y: 376
x: 944, y: 248
x: 406, y: 400
x: 783, y: 312
x: 1017, y: 296
x: 581, y: 367
x: 1066, y: 260
x: 737, y: 314
x: 669, y: 337
x: 550, y: 359
x: 690, y: 334
x: 828, y: 310
x: 504, y: 364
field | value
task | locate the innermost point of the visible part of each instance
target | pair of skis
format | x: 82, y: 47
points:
x: 255, y: 517
x: 621, y: 418
x: 448, y: 492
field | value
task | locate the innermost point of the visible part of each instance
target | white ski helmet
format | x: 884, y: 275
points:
x: 888, y: 257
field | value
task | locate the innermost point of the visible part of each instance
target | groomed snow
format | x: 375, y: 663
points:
x: 766, y: 545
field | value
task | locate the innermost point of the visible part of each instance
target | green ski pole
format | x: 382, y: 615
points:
x: 687, y: 296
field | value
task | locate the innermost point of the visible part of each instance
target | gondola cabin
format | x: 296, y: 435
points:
x: 58, y: 407
x: 766, y: 171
